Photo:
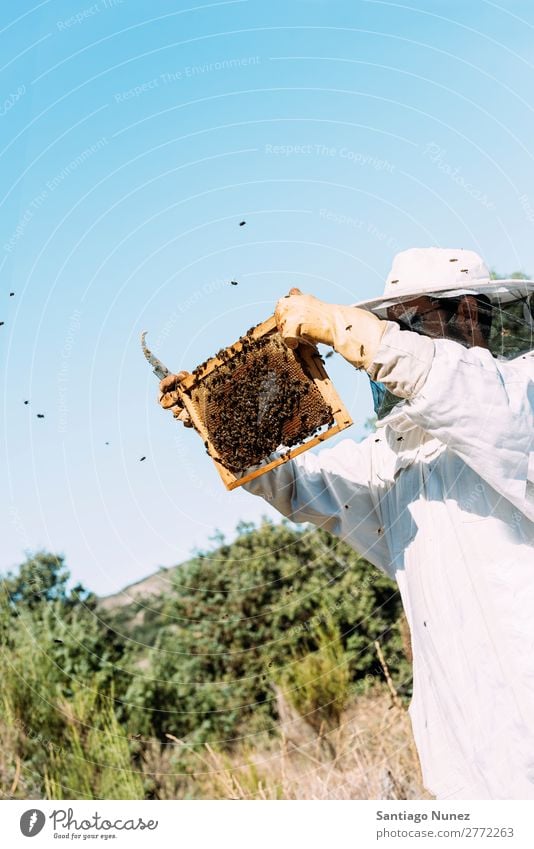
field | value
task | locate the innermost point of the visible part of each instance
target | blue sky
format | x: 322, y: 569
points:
x: 133, y: 139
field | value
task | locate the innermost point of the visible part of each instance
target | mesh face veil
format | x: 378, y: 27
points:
x: 507, y: 324
x: 512, y: 328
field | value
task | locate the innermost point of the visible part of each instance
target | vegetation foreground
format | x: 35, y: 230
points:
x: 275, y: 666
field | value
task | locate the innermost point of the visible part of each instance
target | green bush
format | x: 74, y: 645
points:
x: 55, y: 651
x: 236, y: 613
x: 95, y: 759
x: 317, y: 685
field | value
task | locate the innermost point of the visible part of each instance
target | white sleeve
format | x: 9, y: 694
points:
x: 481, y: 408
x: 332, y: 490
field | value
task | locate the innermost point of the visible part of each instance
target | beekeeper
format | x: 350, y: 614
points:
x: 441, y: 498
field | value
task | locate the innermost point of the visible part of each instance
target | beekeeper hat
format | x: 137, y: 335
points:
x: 443, y: 273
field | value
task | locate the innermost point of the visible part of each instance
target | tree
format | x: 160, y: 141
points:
x: 42, y: 578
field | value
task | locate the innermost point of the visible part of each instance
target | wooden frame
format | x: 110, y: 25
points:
x: 310, y: 357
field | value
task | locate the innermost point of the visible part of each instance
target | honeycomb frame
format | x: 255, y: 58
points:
x: 311, y: 362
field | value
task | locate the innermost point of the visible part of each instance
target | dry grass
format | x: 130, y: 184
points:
x: 370, y: 756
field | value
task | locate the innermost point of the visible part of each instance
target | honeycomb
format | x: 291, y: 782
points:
x: 258, y: 400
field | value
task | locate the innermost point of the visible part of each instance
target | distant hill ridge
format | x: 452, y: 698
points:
x: 156, y: 584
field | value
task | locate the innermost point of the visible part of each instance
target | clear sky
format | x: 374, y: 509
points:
x: 133, y: 139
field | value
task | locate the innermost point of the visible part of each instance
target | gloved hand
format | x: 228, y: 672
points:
x: 352, y: 332
x: 170, y: 399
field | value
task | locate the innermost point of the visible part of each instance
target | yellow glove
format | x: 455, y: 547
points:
x: 352, y: 332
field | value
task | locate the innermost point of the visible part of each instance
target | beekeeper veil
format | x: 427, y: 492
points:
x: 425, y: 292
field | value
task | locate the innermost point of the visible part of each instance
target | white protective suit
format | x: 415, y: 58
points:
x: 441, y: 498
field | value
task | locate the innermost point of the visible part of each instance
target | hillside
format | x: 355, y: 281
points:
x: 154, y: 585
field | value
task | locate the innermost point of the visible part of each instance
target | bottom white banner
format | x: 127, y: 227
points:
x: 262, y: 825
